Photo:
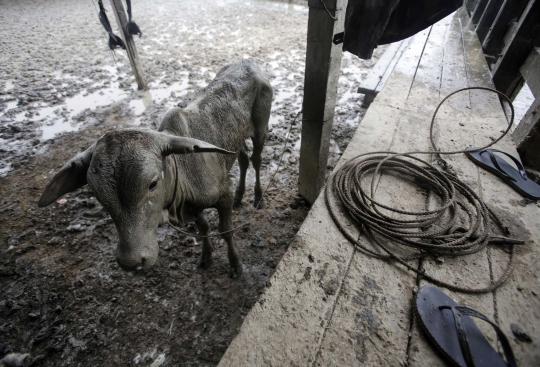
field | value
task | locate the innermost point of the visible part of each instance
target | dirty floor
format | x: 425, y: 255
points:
x: 63, y: 299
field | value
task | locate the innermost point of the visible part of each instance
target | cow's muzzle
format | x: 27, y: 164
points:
x: 137, y: 260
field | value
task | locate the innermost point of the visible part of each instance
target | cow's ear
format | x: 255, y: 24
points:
x: 170, y: 144
x: 69, y: 178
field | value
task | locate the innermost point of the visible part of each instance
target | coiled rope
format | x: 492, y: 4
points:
x: 403, y: 235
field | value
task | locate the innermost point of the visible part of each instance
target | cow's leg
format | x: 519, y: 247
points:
x: 258, y: 145
x: 206, y: 255
x: 225, y: 225
x: 260, y: 117
x: 243, y: 163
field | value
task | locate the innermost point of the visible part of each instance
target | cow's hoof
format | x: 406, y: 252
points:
x: 236, y: 272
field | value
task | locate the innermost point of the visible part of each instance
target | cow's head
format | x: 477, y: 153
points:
x: 127, y: 171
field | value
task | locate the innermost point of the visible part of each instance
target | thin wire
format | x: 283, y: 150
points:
x: 211, y: 234
x: 431, y: 232
x: 334, y: 18
x: 268, y: 186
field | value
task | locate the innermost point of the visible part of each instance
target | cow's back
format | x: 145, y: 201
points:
x: 221, y: 113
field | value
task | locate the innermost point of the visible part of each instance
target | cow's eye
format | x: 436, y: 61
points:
x: 152, y: 186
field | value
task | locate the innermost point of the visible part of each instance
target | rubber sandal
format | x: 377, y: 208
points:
x: 450, y: 328
x: 516, y: 177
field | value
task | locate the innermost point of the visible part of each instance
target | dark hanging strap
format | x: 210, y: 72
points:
x: 114, y: 40
x: 132, y: 27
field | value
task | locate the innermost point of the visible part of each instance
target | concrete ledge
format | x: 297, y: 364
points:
x: 329, y: 305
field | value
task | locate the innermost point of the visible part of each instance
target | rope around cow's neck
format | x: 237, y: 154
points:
x: 433, y: 232
x: 268, y: 186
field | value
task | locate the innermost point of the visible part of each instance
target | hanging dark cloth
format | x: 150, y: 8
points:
x: 132, y: 27
x: 369, y: 23
x: 114, y: 40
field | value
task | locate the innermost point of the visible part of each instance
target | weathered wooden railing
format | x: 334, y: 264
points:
x: 509, y: 31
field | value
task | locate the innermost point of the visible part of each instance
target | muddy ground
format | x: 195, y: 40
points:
x: 63, y: 298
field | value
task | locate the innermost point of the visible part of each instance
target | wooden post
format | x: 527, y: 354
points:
x: 121, y: 19
x: 527, y: 134
x: 323, y: 64
x: 530, y: 70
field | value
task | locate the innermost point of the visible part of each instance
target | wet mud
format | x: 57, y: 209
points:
x: 63, y: 298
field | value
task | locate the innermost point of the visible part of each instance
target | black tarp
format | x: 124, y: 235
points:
x: 369, y: 23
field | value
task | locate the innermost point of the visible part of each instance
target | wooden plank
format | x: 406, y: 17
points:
x: 323, y: 62
x: 517, y: 302
x: 379, y: 74
x: 470, y: 271
x: 506, y: 75
x: 372, y: 321
x: 487, y: 18
x: 372, y: 313
x: 524, y: 128
x: 131, y: 49
x: 527, y: 136
x: 395, y: 94
x: 424, y: 93
x: 531, y: 71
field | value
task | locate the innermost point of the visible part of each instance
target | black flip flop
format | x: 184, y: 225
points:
x: 516, y: 177
x: 450, y: 328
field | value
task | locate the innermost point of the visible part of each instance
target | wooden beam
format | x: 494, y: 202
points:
x: 531, y: 71
x: 487, y: 18
x: 323, y: 63
x: 378, y: 75
x: 527, y: 136
x: 121, y: 19
x: 509, y: 10
x: 478, y: 10
x: 505, y: 72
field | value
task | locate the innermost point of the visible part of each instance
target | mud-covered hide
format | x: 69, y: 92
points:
x: 369, y: 23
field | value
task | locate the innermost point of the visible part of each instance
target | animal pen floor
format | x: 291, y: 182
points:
x: 65, y: 301
x: 63, y: 298
x: 329, y: 305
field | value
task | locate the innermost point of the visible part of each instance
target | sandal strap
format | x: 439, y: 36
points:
x: 458, y: 312
x: 516, y: 161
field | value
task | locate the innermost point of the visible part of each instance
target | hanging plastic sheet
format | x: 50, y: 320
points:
x: 369, y: 23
